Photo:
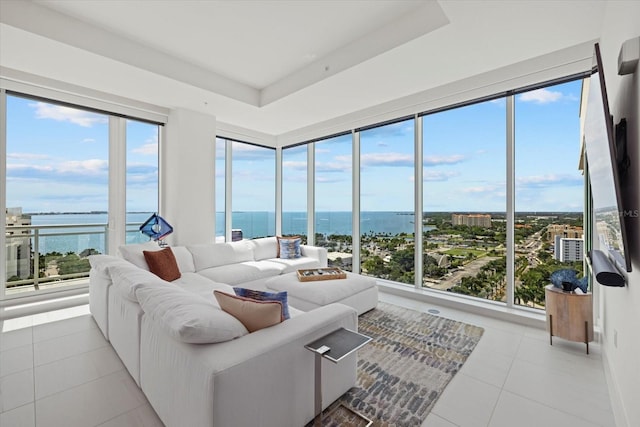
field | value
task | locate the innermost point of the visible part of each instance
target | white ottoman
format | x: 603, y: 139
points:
x: 359, y: 292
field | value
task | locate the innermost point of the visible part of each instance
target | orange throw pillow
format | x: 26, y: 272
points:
x: 253, y: 314
x: 163, y: 264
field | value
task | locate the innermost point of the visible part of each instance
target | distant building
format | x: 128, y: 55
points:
x: 568, y: 249
x: 563, y: 230
x: 18, y: 246
x: 442, y: 260
x: 342, y: 258
x: 472, y: 220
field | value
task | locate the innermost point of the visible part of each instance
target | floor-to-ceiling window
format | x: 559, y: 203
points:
x: 333, y: 198
x: 549, y: 199
x: 56, y: 192
x: 464, y: 200
x: 294, y: 191
x: 141, y: 176
x: 387, y: 201
x: 253, y: 196
x: 61, y: 161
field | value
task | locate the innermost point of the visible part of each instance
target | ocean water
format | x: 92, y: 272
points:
x: 259, y: 224
x: 252, y: 224
x: 77, y: 239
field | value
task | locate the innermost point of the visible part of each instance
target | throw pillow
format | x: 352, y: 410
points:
x: 163, y: 264
x: 290, y: 248
x: 278, y: 238
x: 253, y: 314
x: 266, y: 296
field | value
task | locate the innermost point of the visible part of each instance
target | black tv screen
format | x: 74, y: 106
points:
x: 603, y: 172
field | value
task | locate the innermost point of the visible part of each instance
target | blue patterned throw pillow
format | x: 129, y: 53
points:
x: 265, y: 296
x: 290, y: 248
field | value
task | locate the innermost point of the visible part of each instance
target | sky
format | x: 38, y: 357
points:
x: 57, y: 160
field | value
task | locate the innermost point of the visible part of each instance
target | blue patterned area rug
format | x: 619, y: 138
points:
x: 404, y: 369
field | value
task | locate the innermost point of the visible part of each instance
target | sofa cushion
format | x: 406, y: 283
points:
x: 253, y: 314
x: 266, y: 296
x: 290, y: 248
x: 265, y: 248
x: 200, y: 285
x: 100, y: 262
x: 133, y: 253
x: 218, y: 254
x: 163, y: 264
x: 291, y: 265
x: 127, y: 278
x: 188, y: 317
x: 234, y: 274
x: 184, y: 259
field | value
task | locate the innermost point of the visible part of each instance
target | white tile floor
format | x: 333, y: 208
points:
x: 57, y: 370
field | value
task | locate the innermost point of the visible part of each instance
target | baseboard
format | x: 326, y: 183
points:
x: 615, y: 397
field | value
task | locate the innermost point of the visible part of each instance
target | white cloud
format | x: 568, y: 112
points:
x: 88, y: 140
x: 17, y: 168
x: 537, y: 181
x: 386, y: 159
x: 443, y: 160
x: 300, y: 166
x: 67, y: 114
x: 27, y: 156
x: 149, y: 149
x: 431, y: 176
x: 90, y: 166
x: 541, y: 96
x: 479, y: 189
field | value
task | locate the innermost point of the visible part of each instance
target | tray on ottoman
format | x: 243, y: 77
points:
x: 325, y: 273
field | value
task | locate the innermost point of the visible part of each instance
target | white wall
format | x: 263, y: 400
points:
x: 188, y: 177
x: 620, y: 314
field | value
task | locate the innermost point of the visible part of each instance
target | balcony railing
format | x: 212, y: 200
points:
x: 49, y: 256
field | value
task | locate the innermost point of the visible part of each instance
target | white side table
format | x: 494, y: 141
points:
x: 334, y: 346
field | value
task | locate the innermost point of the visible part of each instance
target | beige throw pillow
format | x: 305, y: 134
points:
x: 253, y: 314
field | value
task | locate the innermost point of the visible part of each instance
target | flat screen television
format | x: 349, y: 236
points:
x: 600, y: 143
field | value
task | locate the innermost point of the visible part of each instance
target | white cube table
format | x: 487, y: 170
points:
x: 359, y: 292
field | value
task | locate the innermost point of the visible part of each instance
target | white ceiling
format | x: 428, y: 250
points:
x: 278, y: 66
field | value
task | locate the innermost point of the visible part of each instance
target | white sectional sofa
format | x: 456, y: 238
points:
x: 198, y: 365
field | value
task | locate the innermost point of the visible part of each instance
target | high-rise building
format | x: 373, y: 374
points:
x: 18, y: 244
x: 568, y: 249
x: 472, y: 220
x: 563, y: 230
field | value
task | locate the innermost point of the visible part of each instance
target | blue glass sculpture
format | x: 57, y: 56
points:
x: 566, y: 280
x: 156, y: 227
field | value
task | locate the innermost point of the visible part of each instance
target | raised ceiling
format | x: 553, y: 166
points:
x: 278, y: 66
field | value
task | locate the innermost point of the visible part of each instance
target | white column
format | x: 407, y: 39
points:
x: 187, y: 177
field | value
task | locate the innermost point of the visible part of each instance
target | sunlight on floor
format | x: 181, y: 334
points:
x: 13, y: 324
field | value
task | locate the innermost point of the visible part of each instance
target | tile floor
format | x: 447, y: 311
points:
x: 57, y: 370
